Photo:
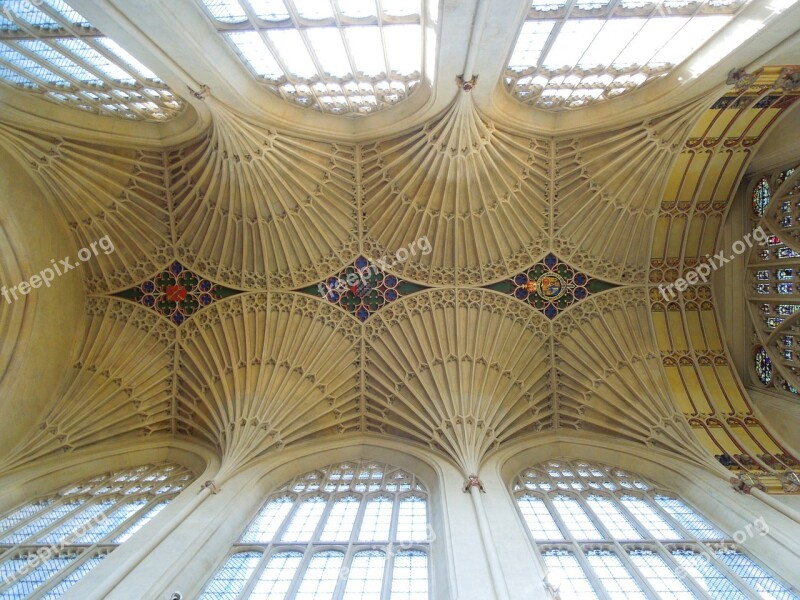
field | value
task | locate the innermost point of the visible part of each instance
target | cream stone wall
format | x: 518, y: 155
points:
x: 40, y: 330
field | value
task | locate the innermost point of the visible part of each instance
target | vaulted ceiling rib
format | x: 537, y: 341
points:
x: 460, y: 368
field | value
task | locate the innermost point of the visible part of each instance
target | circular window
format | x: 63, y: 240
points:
x: 761, y: 197
x: 763, y: 366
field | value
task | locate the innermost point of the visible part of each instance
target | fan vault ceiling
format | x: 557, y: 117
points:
x: 452, y: 364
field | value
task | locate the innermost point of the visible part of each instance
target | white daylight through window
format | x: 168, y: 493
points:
x: 609, y: 534
x: 350, y: 531
x: 349, y: 57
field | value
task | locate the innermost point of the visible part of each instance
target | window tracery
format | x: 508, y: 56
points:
x: 350, y: 531
x: 608, y: 534
x: 351, y: 57
x: 772, y: 280
x: 50, y: 543
x: 572, y: 53
x: 49, y: 48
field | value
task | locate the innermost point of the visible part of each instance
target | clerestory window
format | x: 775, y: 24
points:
x: 608, y: 534
x: 49, y: 49
x: 50, y: 543
x: 339, y: 57
x: 351, y: 531
x: 571, y: 53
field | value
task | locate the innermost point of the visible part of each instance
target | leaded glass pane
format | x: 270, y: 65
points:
x: 230, y: 579
x: 690, y: 520
x: 266, y: 524
x: 44, y: 521
x: 23, y: 514
x: 377, y: 522
x: 410, y: 576
x: 338, y: 538
x: 114, y: 521
x: 277, y: 576
x: 761, y: 197
x: 575, y: 518
x: 340, y: 521
x: 70, y: 526
x: 412, y: 522
x: 653, y: 522
x: 321, y: 575
x: 78, y: 517
x: 614, y: 576
x: 757, y: 578
x: 612, y: 518
x: 140, y: 522
x: 660, y: 576
x: 365, y: 577
x: 76, y: 66
x: 539, y: 520
x: 707, y: 576
x: 304, y: 521
x: 75, y: 575
x: 562, y: 566
x: 339, y: 58
x: 633, y: 572
x: 588, y: 51
x: 34, y: 579
x: 61, y: 62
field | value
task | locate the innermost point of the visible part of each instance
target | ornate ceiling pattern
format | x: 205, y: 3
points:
x: 103, y: 191
x: 700, y: 188
x: 458, y: 367
x: 122, y: 383
x: 257, y: 209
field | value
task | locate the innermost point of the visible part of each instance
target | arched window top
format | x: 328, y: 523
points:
x: 363, y: 519
x: 358, y: 477
x: 619, y: 536
x: 48, y: 47
x: 352, y: 57
x: 48, y: 544
x: 578, y: 476
x: 573, y: 53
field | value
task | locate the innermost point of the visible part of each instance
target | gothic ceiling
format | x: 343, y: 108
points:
x: 461, y: 283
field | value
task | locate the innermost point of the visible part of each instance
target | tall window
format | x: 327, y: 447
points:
x: 772, y: 285
x: 48, y: 544
x: 352, y: 531
x: 571, y: 53
x: 607, y: 534
x: 48, y: 47
x: 347, y: 57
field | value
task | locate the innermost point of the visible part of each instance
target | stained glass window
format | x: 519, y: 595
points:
x: 350, y: 57
x: 615, y: 535
x: 773, y: 274
x: 570, y: 54
x: 51, y: 542
x: 47, y: 47
x: 763, y: 366
x: 761, y: 197
x: 351, y: 530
